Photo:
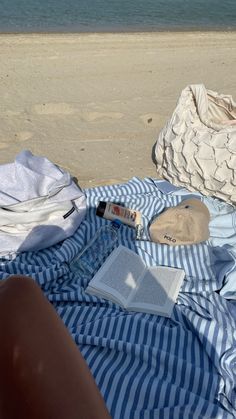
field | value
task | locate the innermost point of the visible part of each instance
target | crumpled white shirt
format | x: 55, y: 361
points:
x: 40, y: 204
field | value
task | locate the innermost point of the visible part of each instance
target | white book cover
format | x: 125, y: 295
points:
x: 125, y: 280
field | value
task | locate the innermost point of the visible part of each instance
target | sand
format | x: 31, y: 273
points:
x: 95, y: 103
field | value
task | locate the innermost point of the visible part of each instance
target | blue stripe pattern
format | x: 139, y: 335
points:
x: 146, y: 366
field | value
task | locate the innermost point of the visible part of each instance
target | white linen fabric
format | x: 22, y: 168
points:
x: 197, y: 147
x: 40, y: 204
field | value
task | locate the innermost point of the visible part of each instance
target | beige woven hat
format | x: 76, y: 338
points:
x: 187, y: 223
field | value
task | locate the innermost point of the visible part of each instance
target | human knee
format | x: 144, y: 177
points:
x: 17, y: 285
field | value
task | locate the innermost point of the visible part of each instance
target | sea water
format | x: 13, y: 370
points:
x: 116, y: 15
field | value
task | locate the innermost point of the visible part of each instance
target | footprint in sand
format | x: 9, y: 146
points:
x: 54, y: 109
x: 3, y: 146
x: 10, y: 112
x: 23, y: 135
x: 93, y: 116
x: 151, y: 119
x: 66, y: 109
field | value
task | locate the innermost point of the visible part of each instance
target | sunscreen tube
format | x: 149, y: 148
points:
x: 112, y: 211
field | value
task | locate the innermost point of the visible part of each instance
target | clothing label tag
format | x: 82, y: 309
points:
x: 69, y: 213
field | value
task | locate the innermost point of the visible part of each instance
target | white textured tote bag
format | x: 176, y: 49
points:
x: 197, y: 147
x: 40, y: 205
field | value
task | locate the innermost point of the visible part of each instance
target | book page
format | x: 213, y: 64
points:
x: 157, y: 291
x: 119, y: 275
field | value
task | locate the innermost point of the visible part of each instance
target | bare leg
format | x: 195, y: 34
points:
x: 42, y: 373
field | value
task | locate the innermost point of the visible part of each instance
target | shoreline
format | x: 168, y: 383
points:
x: 187, y: 36
x: 173, y: 37
x: 95, y: 103
x: 125, y: 33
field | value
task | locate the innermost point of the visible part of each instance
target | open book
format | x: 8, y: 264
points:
x: 125, y: 280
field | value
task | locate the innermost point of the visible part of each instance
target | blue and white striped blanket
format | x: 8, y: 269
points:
x: 148, y: 366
